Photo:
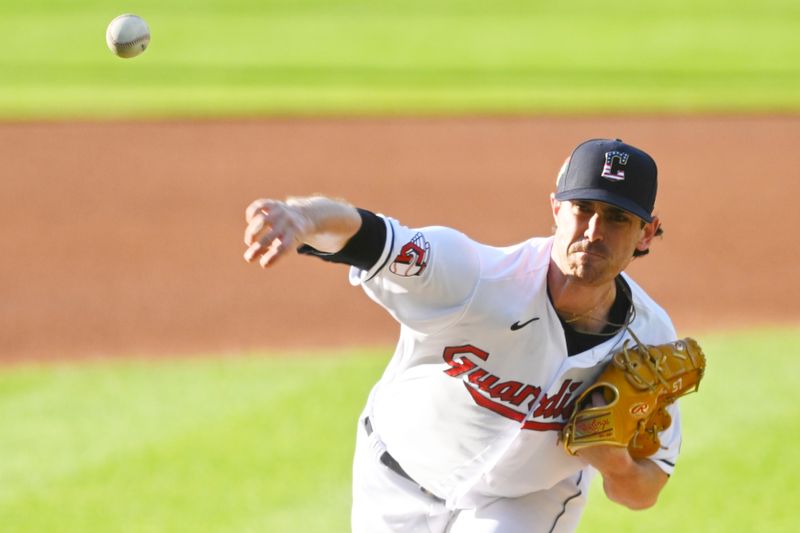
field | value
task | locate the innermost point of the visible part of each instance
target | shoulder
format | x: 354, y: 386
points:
x: 446, y: 245
x: 408, y: 251
x: 524, y: 258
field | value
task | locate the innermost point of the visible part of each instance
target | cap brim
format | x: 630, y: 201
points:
x: 602, y: 195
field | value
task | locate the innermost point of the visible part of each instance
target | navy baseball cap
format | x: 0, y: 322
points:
x: 610, y: 171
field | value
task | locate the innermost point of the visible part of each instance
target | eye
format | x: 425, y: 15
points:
x: 619, y: 217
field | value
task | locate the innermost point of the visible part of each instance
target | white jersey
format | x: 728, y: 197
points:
x: 469, y: 406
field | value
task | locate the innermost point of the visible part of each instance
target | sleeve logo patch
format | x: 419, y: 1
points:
x: 413, y: 257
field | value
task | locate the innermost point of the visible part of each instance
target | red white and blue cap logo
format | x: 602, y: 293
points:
x: 614, y: 167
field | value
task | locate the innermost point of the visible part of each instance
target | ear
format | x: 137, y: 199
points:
x: 555, y: 205
x: 648, y: 233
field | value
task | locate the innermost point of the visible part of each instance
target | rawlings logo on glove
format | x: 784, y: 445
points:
x: 626, y: 406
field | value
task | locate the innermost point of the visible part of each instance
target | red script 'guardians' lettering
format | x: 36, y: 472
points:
x: 502, y: 396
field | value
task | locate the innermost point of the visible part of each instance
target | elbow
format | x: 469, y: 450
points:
x: 638, y: 502
x: 641, y: 505
x: 639, y: 491
x: 634, y: 497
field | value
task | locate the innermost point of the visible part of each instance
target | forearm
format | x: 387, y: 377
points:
x: 637, y: 487
x: 331, y: 223
x: 634, y: 483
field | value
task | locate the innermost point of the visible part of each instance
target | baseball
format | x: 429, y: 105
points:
x: 127, y: 35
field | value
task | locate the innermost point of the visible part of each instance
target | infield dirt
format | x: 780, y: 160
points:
x: 126, y: 238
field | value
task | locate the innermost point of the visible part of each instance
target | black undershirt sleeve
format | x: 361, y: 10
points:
x: 363, y: 249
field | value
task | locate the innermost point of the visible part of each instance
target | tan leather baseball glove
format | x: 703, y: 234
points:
x: 626, y: 406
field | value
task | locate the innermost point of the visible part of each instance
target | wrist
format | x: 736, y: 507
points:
x: 324, y: 224
x: 307, y: 213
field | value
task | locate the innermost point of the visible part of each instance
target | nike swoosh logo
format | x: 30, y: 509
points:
x: 516, y: 325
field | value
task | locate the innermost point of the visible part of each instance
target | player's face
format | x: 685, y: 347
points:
x: 595, y: 241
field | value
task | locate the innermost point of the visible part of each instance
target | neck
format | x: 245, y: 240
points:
x: 585, y: 307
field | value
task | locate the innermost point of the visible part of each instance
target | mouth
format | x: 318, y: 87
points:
x: 594, y: 254
x: 589, y: 252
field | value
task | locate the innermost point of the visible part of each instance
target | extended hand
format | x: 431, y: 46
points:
x: 273, y: 228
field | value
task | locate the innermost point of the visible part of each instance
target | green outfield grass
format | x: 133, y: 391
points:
x: 240, y: 444
x: 213, y: 444
x: 271, y: 57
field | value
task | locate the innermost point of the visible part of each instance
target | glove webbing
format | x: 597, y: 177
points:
x: 631, y: 369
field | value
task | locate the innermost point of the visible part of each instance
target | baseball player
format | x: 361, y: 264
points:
x: 461, y: 433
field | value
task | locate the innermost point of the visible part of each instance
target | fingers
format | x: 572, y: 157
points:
x: 256, y: 226
x: 254, y: 208
x: 265, y: 216
x: 267, y: 254
x: 265, y: 242
x: 270, y: 231
x: 598, y: 398
x: 269, y: 246
x: 276, y: 250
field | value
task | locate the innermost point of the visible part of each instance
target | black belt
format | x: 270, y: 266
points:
x: 391, y: 463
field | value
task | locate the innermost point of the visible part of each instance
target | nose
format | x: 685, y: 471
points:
x: 593, y: 230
